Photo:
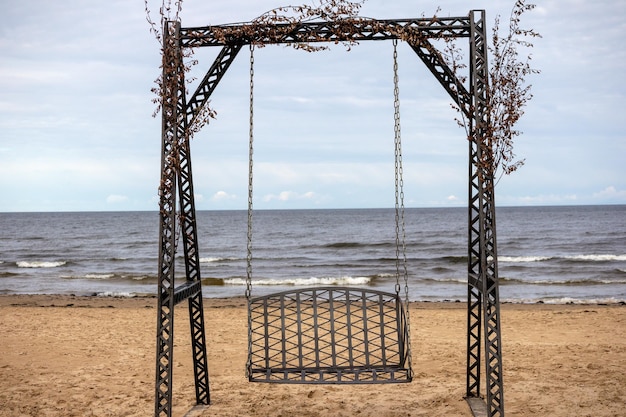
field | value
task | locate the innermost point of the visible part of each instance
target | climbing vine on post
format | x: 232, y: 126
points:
x: 509, y: 92
x: 286, y: 17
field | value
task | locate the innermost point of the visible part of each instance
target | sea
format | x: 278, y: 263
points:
x: 556, y: 255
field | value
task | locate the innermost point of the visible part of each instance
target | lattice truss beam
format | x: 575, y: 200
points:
x: 180, y: 115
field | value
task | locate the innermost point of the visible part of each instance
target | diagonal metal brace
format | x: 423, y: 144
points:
x: 209, y: 82
x: 444, y: 74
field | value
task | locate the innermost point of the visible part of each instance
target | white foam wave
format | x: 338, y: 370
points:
x: 99, y: 276
x: 519, y: 259
x: 447, y: 280
x: 590, y: 281
x: 601, y: 258
x: 213, y: 260
x: 140, y: 277
x: 564, y: 300
x: 614, y: 281
x: 592, y: 258
x: 40, y: 264
x: 303, y: 282
x: 117, y: 294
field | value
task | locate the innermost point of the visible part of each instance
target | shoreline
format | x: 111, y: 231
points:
x: 67, y: 355
x: 93, y: 300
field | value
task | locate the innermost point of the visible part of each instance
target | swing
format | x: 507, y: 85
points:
x: 333, y: 334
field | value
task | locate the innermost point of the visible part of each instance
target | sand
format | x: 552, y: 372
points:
x: 88, y: 356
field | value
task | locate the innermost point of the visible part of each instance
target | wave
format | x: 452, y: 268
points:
x: 117, y: 259
x: 40, y: 264
x: 522, y: 281
x: 442, y: 270
x: 564, y: 300
x: 218, y: 259
x: 520, y: 259
x: 578, y: 258
x: 571, y: 282
x: 296, y: 282
x: 99, y: 276
x: 597, y: 258
x: 342, y: 245
x: 116, y: 294
x: 110, y: 276
x: 450, y: 259
x: 145, y: 277
x: 349, y: 245
x: 443, y: 280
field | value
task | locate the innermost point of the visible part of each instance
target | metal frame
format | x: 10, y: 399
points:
x: 178, y: 114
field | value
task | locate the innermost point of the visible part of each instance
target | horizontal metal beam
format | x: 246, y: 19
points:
x: 345, y: 30
x: 187, y: 290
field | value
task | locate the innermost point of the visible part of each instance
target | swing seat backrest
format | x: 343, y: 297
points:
x: 328, y: 335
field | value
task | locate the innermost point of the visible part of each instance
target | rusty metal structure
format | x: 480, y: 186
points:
x: 176, y: 187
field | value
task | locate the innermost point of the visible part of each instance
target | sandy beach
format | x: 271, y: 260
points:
x: 90, y: 356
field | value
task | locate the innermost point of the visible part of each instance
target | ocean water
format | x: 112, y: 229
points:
x: 569, y: 254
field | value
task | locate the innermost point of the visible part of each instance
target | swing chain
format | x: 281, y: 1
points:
x: 399, y: 189
x: 249, y: 235
x: 399, y: 182
x: 250, y: 172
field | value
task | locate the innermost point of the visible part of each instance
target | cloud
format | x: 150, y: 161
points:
x: 116, y: 199
x: 289, y: 196
x: 542, y: 200
x: 610, y: 193
x: 223, y: 196
x: 291, y: 99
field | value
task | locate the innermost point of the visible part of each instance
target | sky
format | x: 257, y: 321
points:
x: 77, y: 132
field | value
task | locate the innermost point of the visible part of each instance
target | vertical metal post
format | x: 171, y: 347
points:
x: 176, y: 170
x: 483, y: 297
x: 171, y: 107
x: 189, y: 233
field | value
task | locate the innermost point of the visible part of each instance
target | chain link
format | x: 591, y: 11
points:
x: 250, y: 178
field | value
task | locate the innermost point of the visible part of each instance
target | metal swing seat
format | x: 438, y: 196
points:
x: 333, y: 334
x: 329, y: 335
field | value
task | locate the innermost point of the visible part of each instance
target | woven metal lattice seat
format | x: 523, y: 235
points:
x: 328, y: 335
